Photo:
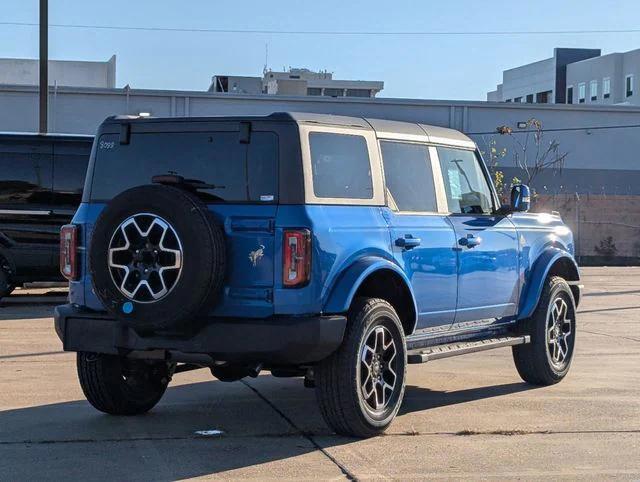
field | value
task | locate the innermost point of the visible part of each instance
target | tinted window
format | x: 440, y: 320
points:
x: 408, y: 175
x: 25, y: 172
x: 216, y: 158
x: 340, y: 166
x: 466, y: 187
x: 70, y: 161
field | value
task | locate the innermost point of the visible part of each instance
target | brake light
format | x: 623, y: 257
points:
x: 296, y: 257
x: 69, y: 251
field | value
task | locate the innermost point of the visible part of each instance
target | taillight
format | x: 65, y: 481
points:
x: 69, y: 251
x: 296, y: 257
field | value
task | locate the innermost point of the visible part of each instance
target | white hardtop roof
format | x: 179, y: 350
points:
x: 389, y: 129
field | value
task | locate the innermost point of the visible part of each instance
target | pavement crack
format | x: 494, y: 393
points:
x: 347, y: 473
x: 610, y: 336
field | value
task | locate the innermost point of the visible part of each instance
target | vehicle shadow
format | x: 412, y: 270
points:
x: 27, y: 311
x: 417, y: 398
x: 71, y: 439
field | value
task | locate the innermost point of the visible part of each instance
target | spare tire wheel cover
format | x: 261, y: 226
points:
x: 157, y: 258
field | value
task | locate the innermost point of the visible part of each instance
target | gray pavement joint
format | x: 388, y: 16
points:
x: 309, y: 437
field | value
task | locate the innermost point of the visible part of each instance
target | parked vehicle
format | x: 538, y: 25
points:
x: 41, y: 180
x: 335, y: 248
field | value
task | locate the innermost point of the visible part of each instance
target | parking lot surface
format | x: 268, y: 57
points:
x: 464, y: 417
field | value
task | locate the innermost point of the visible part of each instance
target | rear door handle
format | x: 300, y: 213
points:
x: 470, y: 241
x: 408, y: 242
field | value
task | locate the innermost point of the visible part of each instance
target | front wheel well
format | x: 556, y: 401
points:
x: 566, y: 269
x: 388, y: 285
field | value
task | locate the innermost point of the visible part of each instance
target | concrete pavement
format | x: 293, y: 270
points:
x: 465, y: 417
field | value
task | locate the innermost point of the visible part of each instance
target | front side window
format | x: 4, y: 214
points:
x: 582, y: 92
x: 340, y: 166
x: 409, y: 176
x: 464, y: 181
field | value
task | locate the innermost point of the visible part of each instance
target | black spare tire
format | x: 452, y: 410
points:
x: 157, y: 258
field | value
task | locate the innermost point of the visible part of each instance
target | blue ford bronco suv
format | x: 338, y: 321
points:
x: 332, y: 248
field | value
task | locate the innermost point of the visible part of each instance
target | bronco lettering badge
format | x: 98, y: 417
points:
x: 255, y: 256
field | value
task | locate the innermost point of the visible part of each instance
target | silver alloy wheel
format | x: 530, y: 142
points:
x: 559, y: 330
x: 145, y: 258
x: 378, y: 365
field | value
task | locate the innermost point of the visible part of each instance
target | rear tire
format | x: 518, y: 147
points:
x: 552, y: 327
x: 5, y: 283
x: 360, y: 387
x: 118, y: 386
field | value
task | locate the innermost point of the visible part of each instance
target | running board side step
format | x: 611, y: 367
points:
x: 422, y: 355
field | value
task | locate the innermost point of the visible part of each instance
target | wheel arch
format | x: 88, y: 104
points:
x: 375, y: 278
x: 552, y: 261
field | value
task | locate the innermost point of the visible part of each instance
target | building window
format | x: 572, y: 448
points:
x: 582, y: 92
x: 358, y: 93
x: 530, y: 99
x: 508, y: 100
x: 593, y: 90
x: 606, y: 87
x: 314, y: 91
x: 570, y: 94
x: 543, y: 97
x: 334, y: 92
x: 629, y: 85
x: 517, y: 99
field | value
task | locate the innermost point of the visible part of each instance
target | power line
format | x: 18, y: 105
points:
x: 328, y: 32
x: 560, y: 129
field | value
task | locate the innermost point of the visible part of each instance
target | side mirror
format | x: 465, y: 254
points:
x: 520, y: 198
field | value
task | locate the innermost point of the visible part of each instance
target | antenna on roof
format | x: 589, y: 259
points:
x: 266, y: 58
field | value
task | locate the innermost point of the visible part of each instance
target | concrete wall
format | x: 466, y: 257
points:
x: 606, y: 228
x: 61, y: 73
x: 597, y: 143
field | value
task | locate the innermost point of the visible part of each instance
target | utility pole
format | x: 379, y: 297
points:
x: 44, y: 65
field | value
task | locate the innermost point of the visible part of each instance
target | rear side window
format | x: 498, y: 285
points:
x: 464, y: 181
x: 26, y: 168
x: 340, y: 166
x: 237, y: 172
x: 409, y: 177
x: 70, y: 161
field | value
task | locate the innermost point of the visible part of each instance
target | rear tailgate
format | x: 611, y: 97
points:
x: 242, y: 168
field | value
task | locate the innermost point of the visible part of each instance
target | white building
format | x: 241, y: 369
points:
x: 62, y: 73
x: 573, y: 76
x: 608, y: 79
x: 295, y: 82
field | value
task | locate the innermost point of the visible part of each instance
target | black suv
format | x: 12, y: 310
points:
x: 41, y: 181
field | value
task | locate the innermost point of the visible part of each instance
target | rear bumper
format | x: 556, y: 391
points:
x: 275, y: 340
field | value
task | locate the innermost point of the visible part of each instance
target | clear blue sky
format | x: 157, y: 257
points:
x: 455, y: 67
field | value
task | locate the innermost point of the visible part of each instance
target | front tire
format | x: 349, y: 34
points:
x: 360, y: 387
x: 119, y: 386
x: 547, y: 359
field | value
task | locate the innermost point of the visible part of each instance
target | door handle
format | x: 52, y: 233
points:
x: 470, y: 241
x: 408, y: 242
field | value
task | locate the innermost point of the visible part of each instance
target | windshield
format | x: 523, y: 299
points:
x: 233, y: 171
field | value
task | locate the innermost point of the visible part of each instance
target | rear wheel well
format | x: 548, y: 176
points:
x: 566, y: 269
x: 389, y: 286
